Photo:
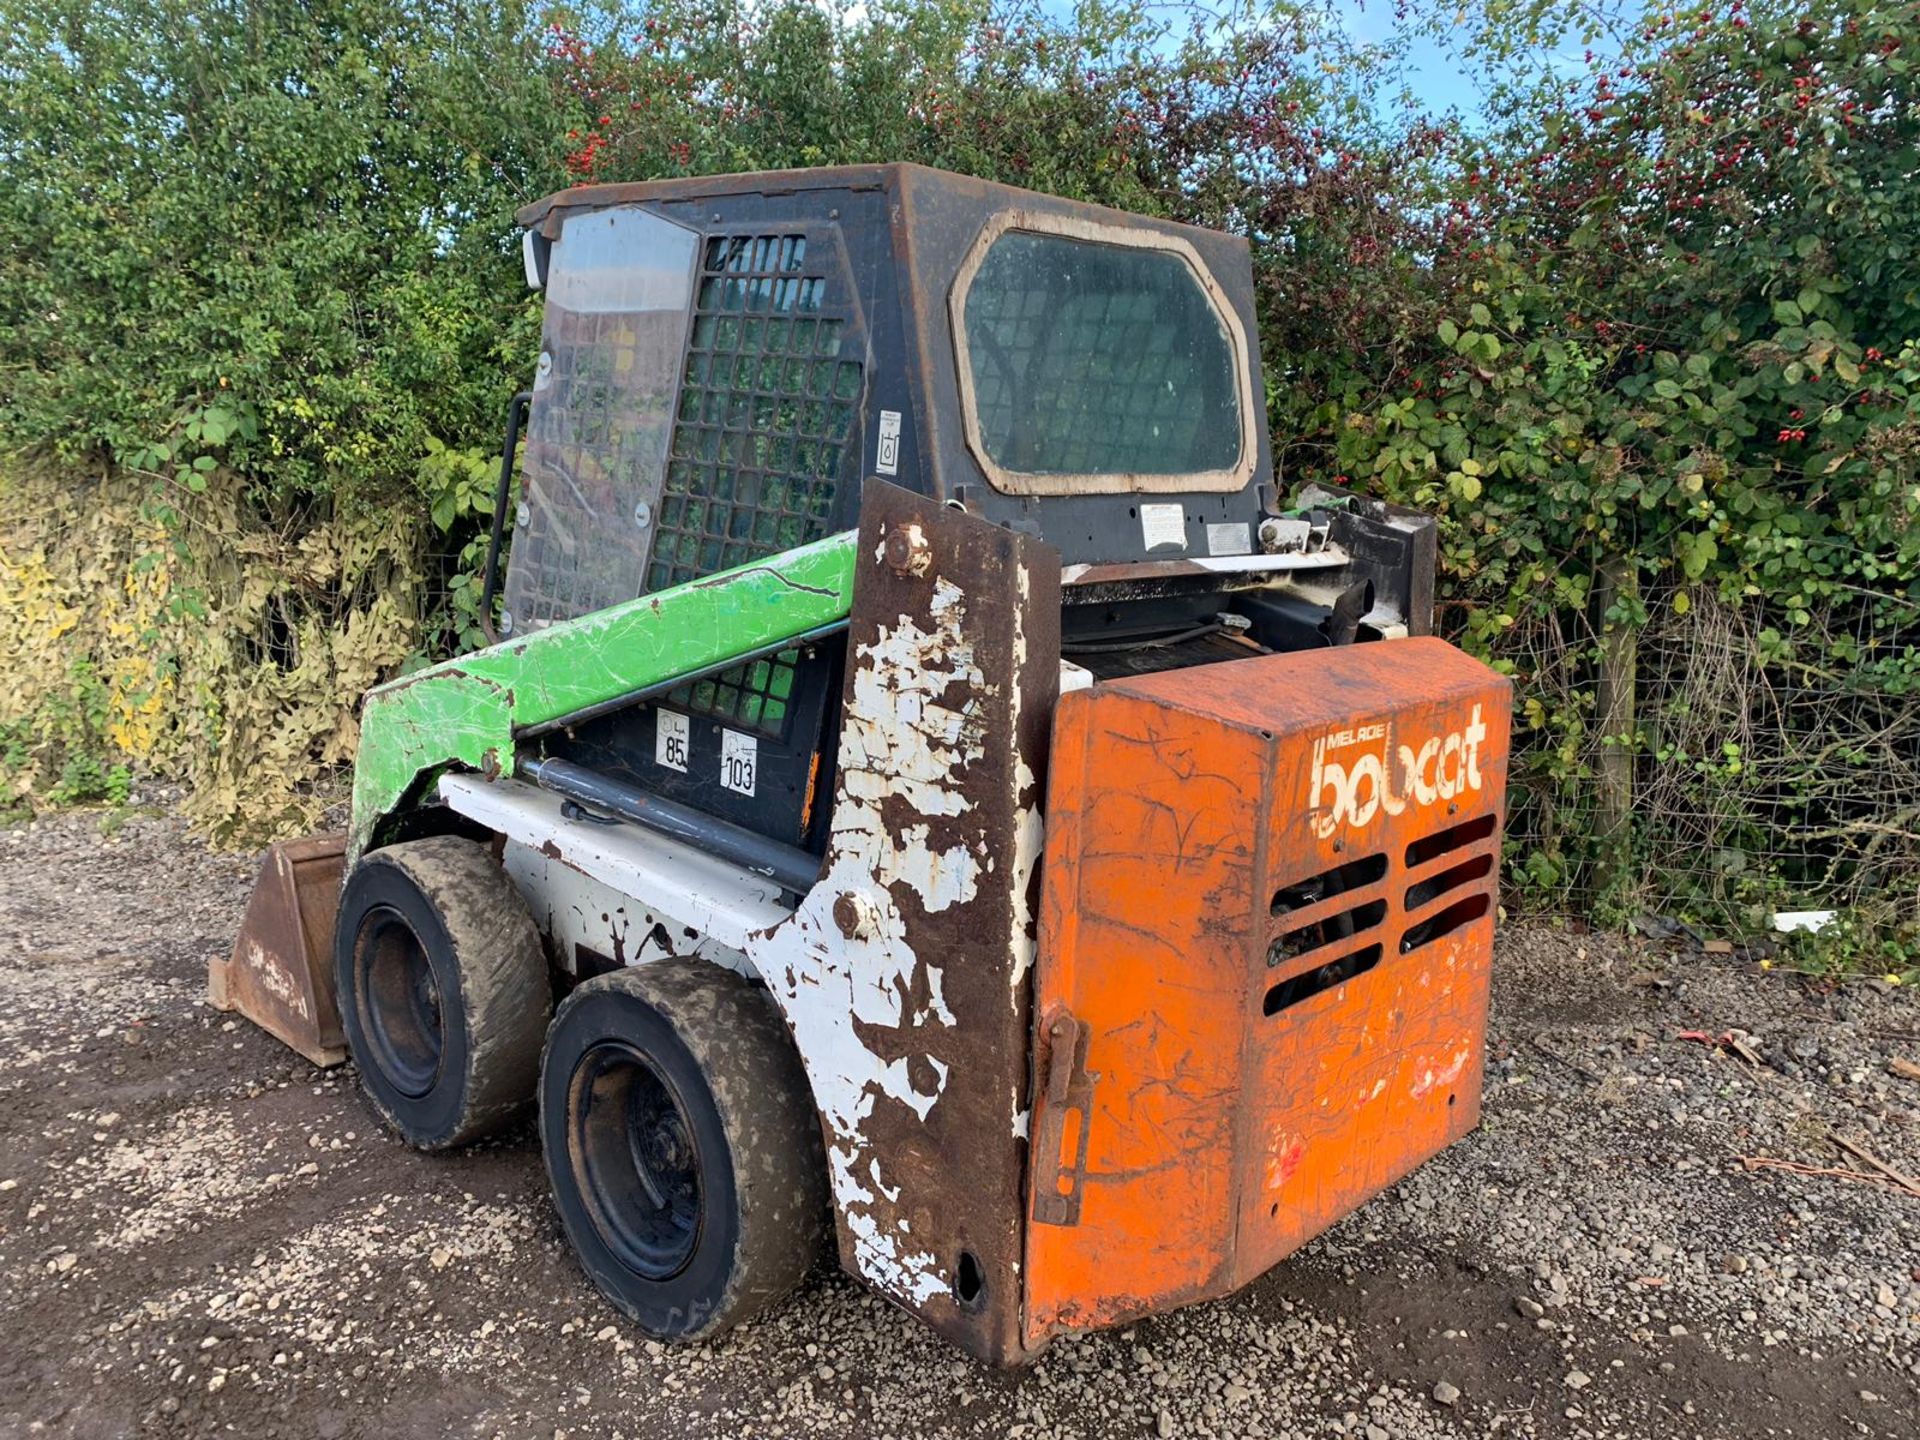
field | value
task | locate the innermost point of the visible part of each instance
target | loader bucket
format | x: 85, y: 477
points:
x: 281, y: 973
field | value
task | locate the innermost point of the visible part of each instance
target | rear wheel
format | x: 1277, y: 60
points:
x: 443, y: 990
x: 682, y: 1146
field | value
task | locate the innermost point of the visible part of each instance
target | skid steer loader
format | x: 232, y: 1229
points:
x: 929, y: 788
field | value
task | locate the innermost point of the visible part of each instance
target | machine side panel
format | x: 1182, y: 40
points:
x: 464, y: 711
x: 905, y: 972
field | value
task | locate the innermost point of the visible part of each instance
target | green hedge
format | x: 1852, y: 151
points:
x: 1652, y: 323
x: 267, y: 234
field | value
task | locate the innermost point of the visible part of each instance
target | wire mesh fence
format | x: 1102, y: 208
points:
x: 1774, y: 761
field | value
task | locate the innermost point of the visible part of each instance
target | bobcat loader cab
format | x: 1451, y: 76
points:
x: 960, y: 806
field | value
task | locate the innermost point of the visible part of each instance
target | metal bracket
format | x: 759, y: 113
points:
x: 1069, y: 1091
x: 490, y: 572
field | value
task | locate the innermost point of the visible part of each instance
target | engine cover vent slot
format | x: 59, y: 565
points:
x: 1457, y: 916
x: 1353, y: 875
x: 1432, y: 847
x: 1289, y: 993
x: 1330, y: 931
x: 1477, y: 867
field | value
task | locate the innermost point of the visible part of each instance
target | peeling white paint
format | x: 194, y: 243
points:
x: 914, y: 722
x: 1029, y: 840
x: 877, y: 1257
x: 942, y: 877
x: 1029, y: 834
x: 276, y: 979
x: 1431, y: 1079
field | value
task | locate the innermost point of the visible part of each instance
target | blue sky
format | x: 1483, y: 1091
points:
x: 1439, y: 79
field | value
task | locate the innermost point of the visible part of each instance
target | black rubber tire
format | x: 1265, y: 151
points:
x: 713, y: 1043
x: 443, y: 990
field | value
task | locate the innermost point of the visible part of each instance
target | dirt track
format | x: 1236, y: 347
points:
x: 199, y: 1233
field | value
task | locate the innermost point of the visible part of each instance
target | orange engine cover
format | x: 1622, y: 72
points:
x: 1268, y: 913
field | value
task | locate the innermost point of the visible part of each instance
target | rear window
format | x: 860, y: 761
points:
x: 1111, y: 365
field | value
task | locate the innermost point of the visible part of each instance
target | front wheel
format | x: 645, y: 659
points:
x: 443, y: 990
x: 682, y: 1146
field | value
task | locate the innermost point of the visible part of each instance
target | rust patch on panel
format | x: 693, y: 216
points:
x: 906, y: 971
x: 1269, y: 904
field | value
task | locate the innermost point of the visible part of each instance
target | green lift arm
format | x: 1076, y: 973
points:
x: 466, y: 712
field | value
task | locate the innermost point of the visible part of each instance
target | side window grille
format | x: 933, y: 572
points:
x: 755, y: 695
x: 766, y: 420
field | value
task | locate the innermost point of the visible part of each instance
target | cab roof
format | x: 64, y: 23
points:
x: 546, y: 215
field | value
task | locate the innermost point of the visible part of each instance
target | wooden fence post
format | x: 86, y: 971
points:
x: 1616, y: 581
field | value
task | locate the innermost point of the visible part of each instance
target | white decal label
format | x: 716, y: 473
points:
x: 1163, y: 525
x: 670, y: 735
x: 1351, y: 790
x: 886, y: 455
x: 1230, y: 539
x: 739, y: 758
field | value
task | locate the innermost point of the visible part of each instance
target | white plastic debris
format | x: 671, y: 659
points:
x: 1811, y: 921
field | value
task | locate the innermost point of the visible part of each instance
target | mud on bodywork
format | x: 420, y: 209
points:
x: 905, y: 971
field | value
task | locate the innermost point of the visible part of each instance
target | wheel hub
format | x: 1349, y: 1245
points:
x: 399, y: 996
x: 636, y: 1158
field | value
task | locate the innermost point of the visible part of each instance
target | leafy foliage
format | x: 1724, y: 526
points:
x: 249, y: 691
x: 271, y: 236
x: 1681, y: 332
x: 260, y: 282
x: 459, y: 489
x: 1644, y: 338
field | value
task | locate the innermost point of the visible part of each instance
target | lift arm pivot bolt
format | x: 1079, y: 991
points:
x: 908, y: 552
x: 856, y: 915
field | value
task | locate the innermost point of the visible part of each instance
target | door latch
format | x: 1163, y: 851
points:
x: 1067, y: 1095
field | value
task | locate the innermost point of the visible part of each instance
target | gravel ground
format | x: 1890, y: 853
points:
x: 199, y: 1233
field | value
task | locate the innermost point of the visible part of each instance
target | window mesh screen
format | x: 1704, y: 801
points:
x: 754, y: 696
x: 1093, y: 359
x: 766, y: 419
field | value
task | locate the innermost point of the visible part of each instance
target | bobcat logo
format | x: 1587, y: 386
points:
x: 1389, y: 778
